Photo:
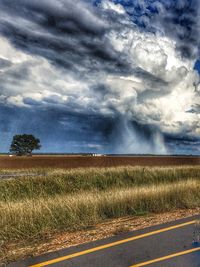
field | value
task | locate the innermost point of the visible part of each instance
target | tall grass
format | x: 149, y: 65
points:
x: 57, y: 182
x: 70, y: 200
x: 33, y: 218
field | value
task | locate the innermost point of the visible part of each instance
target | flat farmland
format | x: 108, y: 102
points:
x: 70, y: 162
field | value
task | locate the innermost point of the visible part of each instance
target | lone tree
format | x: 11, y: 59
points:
x: 24, y: 144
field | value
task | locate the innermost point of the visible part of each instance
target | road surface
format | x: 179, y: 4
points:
x: 167, y: 245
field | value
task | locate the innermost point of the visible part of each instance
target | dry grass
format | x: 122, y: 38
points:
x: 18, y: 250
x: 59, y: 181
x: 32, y: 218
x: 34, y: 207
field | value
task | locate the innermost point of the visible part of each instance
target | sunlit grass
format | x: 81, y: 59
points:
x: 52, y: 182
x: 63, y: 200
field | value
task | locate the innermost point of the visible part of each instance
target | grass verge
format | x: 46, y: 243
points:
x: 32, y: 218
x: 32, y: 208
x: 56, y: 182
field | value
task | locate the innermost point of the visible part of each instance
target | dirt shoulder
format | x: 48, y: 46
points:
x: 17, y: 251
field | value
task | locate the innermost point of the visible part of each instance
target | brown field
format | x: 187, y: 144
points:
x: 68, y: 162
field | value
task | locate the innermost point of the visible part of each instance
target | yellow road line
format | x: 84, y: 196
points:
x: 167, y: 257
x: 77, y: 254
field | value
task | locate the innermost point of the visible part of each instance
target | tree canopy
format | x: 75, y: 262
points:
x: 24, y: 144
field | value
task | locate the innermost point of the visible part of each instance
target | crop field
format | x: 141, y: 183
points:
x: 92, y: 161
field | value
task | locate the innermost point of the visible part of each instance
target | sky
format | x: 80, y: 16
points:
x: 119, y: 76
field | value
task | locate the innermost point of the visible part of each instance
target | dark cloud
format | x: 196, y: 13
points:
x: 195, y: 109
x: 69, y: 34
x: 183, y: 145
x: 64, y: 131
x: 14, y: 77
x: 4, y: 63
x: 177, y: 19
x: 180, y: 20
x: 75, y: 132
x: 88, y: 78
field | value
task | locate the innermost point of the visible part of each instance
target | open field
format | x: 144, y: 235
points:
x: 62, y: 161
x: 55, y: 201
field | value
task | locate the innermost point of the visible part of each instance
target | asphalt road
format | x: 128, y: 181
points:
x: 167, y: 245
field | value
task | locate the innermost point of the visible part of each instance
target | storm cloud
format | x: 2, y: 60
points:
x: 108, y: 76
x: 178, y: 20
x: 69, y: 34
